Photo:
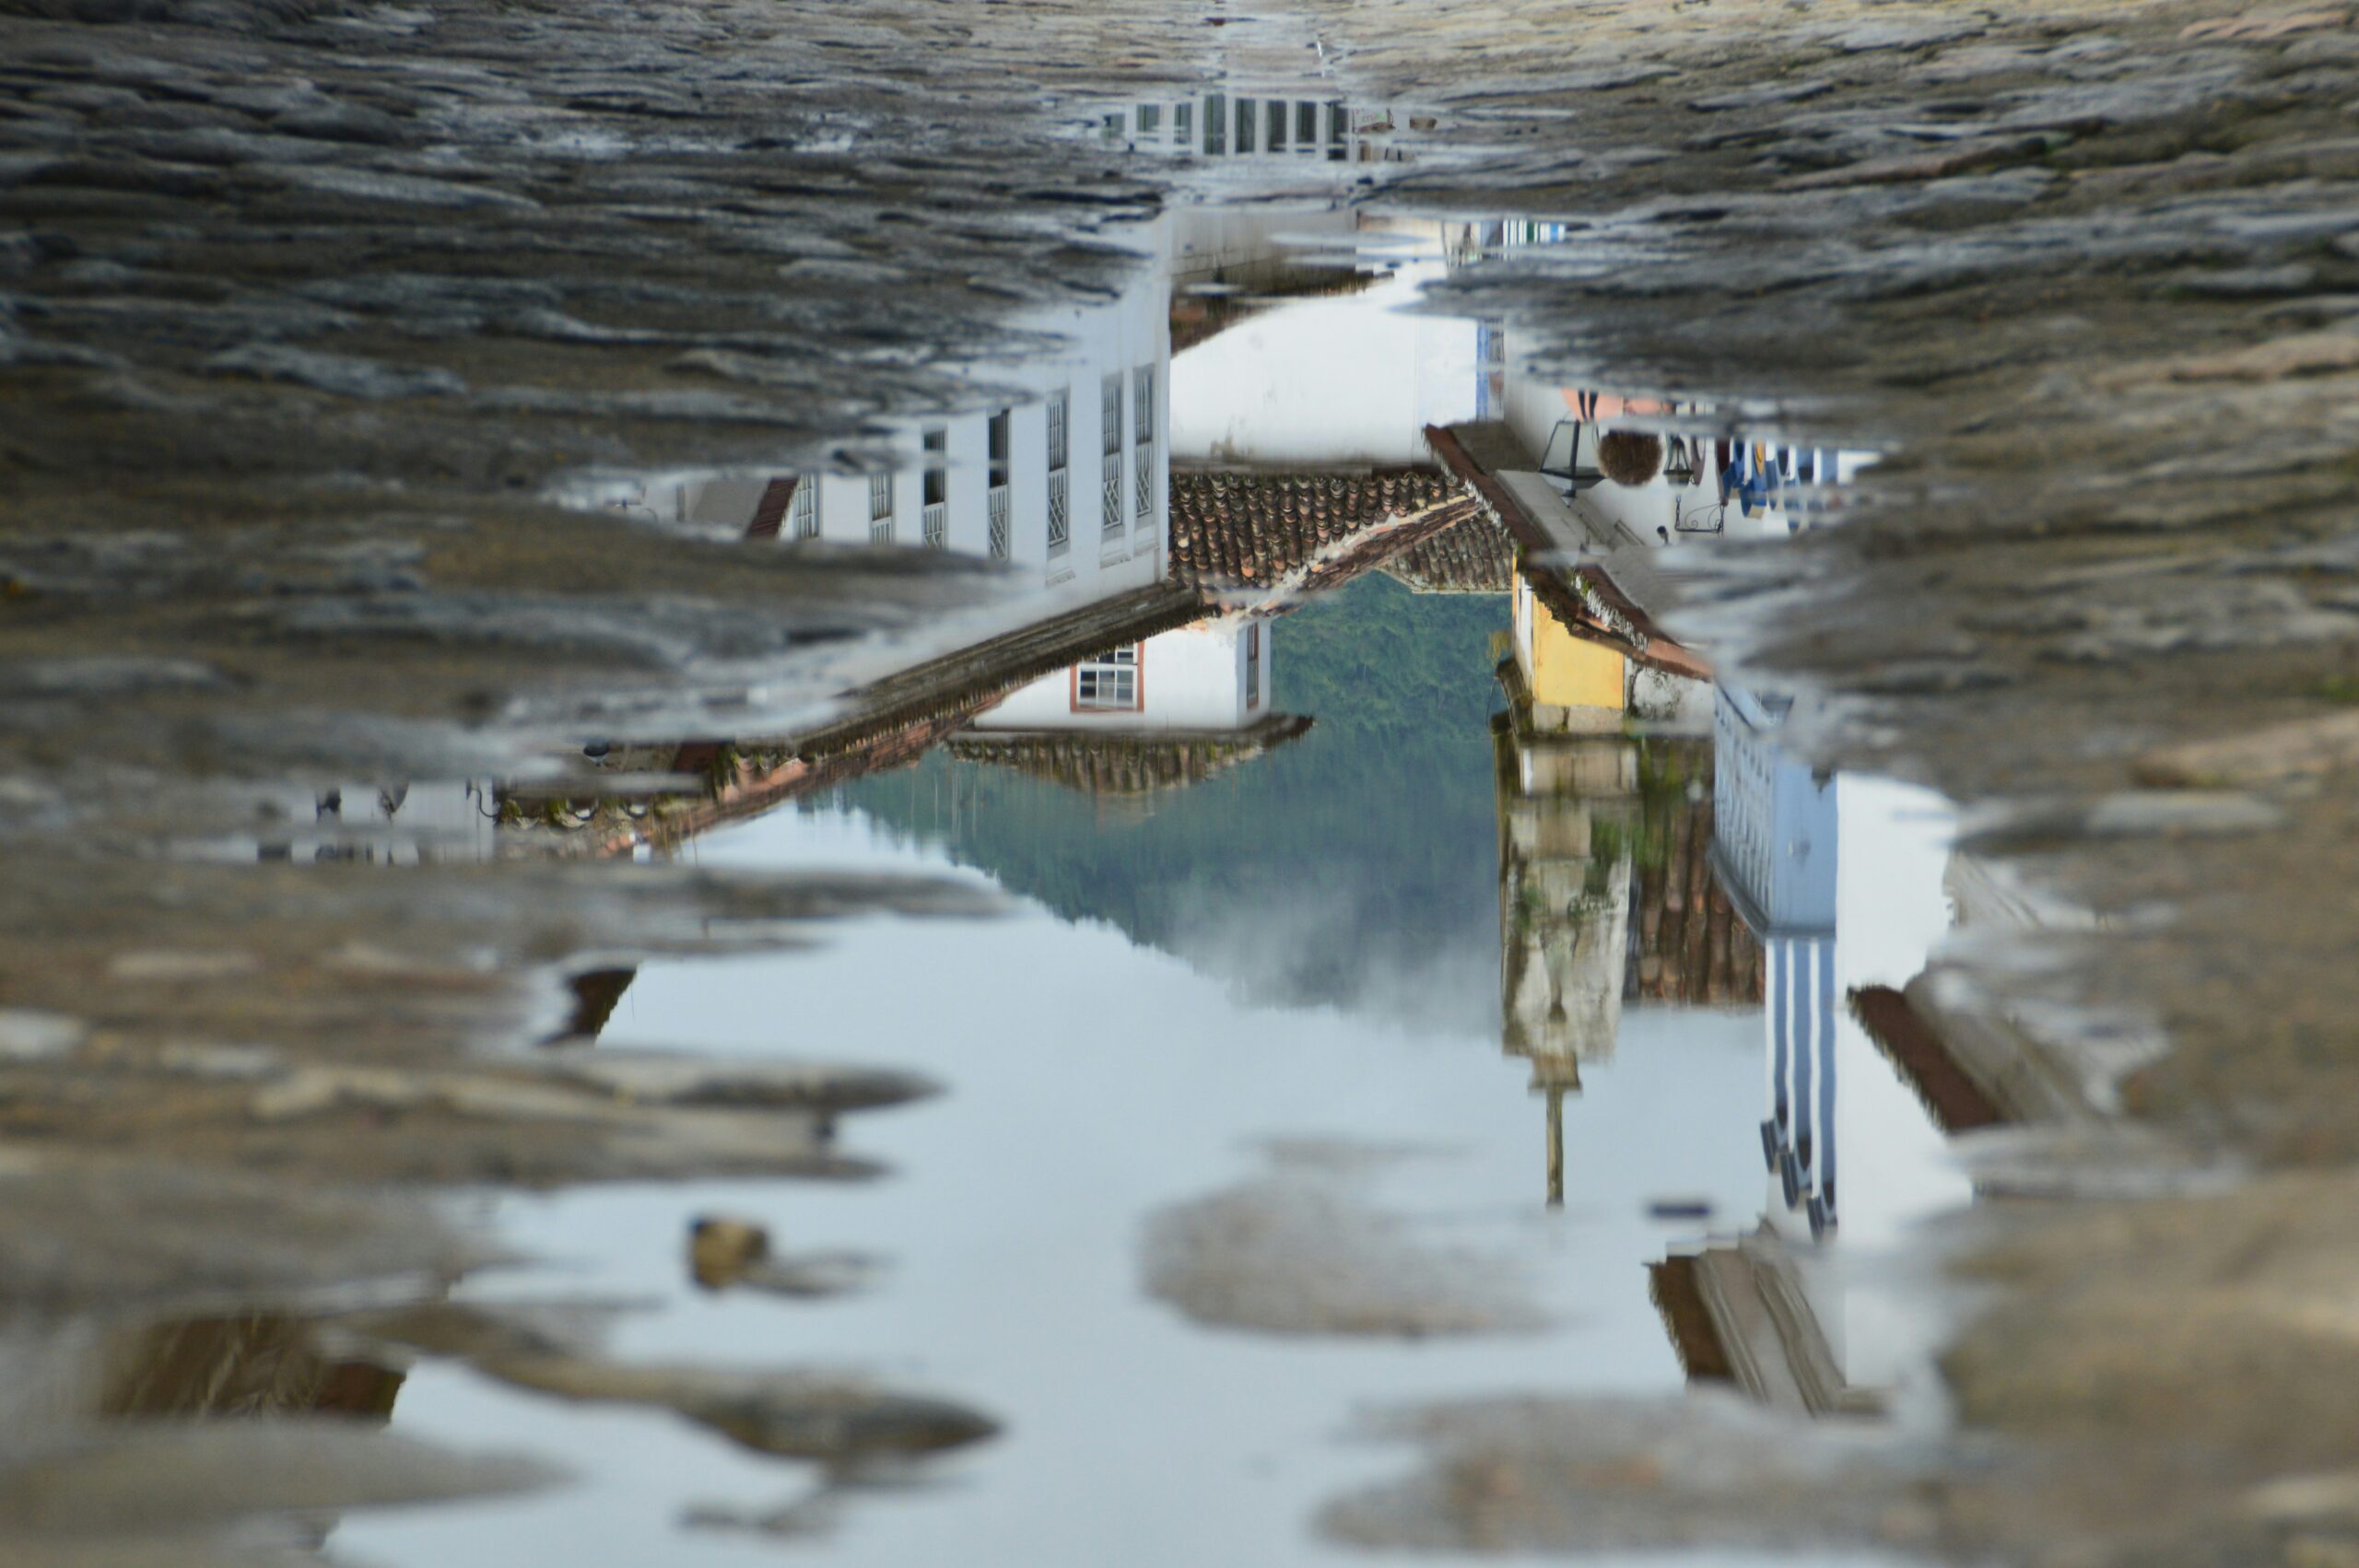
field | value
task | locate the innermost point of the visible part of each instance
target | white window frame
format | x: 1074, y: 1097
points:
x: 1109, y: 683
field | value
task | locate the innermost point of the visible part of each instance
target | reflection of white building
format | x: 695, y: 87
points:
x: 1067, y: 478
x: 397, y: 824
x: 1143, y: 717
x: 1330, y: 382
x: 1712, y: 485
x: 1842, y: 878
x: 1211, y: 677
x: 1774, y: 845
x: 1225, y: 125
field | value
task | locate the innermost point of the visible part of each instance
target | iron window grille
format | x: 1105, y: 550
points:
x: 1060, y: 504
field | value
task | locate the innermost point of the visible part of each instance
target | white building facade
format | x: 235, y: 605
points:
x: 1065, y: 479
x: 1211, y: 677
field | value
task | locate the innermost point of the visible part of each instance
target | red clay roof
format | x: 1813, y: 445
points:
x: 1249, y: 530
x: 1475, y: 557
x: 1128, y: 763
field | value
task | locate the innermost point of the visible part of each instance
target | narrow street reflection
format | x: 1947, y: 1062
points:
x: 1338, y: 667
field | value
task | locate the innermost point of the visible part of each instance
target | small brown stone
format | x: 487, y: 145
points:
x: 720, y: 1249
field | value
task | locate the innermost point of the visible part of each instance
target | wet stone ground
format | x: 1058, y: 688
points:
x: 538, y: 983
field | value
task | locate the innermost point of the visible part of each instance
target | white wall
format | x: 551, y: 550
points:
x: 1328, y: 381
x: 1121, y: 336
x: 1895, y: 1169
x: 1891, y: 911
x: 448, y: 822
x: 1238, y: 244
x: 1193, y: 678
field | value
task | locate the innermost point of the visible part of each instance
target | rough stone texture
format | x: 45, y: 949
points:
x: 305, y: 307
x: 302, y: 306
x: 2083, y: 271
x: 1301, y: 1250
x: 464, y: 249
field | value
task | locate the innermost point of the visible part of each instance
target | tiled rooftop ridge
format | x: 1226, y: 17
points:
x: 1249, y: 530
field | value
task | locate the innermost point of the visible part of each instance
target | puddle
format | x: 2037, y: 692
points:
x: 1422, y: 983
x: 1311, y: 934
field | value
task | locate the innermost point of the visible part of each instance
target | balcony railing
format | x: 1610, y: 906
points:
x: 999, y: 522
x: 1143, y: 480
x: 1114, y: 494
x: 937, y: 525
x: 1059, y: 513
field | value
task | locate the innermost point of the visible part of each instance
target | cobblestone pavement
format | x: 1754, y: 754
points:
x: 302, y: 306
x: 2090, y: 274
x: 303, y: 310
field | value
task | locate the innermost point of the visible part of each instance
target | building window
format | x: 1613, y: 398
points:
x: 1244, y: 124
x: 1143, y: 437
x: 1305, y: 126
x: 1060, y: 501
x: 1150, y: 118
x: 1273, y: 116
x: 1253, y: 664
x: 806, y: 510
x: 934, y: 490
x: 1110, y: 473
x: 880, y: 509
x: 997, y: 496
x: 1109, y: 684
x: 936, y: 481
x: 1184, y: 124
x: 1216, y: 124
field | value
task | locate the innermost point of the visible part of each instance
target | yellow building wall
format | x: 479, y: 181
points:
x: 1568, y: 672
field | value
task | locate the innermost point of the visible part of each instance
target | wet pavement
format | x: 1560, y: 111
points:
x: 812, y: 778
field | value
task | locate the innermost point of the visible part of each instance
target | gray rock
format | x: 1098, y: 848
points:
x: 1296, y: 1253
x: 219, y: 145
x: 19, y: 253
x: 2250, y: 283
x: 16, y: 168
x: 1762, y: 97
x: 340, y: 122
x: 345, y: 375
x: 118, y: 675
x: 1872, y: 36
x: 413, y: 189
x: 2290, y: 226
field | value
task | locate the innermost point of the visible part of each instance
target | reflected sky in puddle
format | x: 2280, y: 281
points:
x: 1098, y: 1077
x: 1415, y: 830
x: 1095, y: 1082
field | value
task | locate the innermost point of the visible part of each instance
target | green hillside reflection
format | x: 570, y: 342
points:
x: 1355, y: 868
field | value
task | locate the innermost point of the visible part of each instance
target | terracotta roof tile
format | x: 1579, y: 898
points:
x: 1234, y: 530
x: 1128, y: 764
x: 1475, y: 556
